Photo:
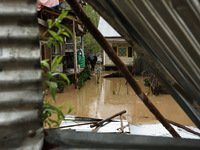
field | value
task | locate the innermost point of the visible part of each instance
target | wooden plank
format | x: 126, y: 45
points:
x: 75, y: 54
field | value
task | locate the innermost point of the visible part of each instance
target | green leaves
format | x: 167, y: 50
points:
x: 90, y: 44
x: 66, y: 34
x: 70, y: 109
x: 83, y: 77
x: 55, y: 64
x: 56, y: 31
x: 63, y: 15
x: 48, y: 110
x: 44, y: 63
x: 49, y: 21
x: 65, y: 29
x: 65, y: 77
x: 54, y: 34
x: 52, y: 84
x: 51, y: 73
x: 53, y: 88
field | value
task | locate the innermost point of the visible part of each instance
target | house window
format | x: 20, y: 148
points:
x: 122, y: 51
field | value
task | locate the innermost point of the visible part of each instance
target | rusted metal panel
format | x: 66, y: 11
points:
x: 166, y: 35
x: 20, y: 76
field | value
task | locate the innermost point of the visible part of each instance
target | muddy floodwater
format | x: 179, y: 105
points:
x: 113, y: 95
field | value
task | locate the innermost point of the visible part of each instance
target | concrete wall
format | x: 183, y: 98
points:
x: 107, y: 61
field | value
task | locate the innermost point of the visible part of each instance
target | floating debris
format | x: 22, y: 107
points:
x: 108, y: 125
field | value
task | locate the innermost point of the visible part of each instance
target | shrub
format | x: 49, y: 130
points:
x: 146, y: 82
x: 61, y: 86
x: 83, y: 77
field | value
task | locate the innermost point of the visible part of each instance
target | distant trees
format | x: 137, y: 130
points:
x: 90, y: 44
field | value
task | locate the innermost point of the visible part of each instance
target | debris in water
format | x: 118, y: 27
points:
x: 101, y: 125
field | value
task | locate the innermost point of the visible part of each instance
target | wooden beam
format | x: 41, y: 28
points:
x: 75, y: 54
x: 58, y: 14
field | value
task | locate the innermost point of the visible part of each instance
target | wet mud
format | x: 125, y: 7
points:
x: 113, y: 95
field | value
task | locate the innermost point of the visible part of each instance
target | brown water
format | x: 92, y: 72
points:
x: 112, y: 95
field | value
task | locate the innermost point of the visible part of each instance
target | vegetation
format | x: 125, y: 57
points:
x: 51, y: 82
x: 56, y: 37
x: 90, y: 44
x: 146, y: 82
x: 50, y: 73
x: 61, y: 86
x: 83, y: 77
x: 114, y: 93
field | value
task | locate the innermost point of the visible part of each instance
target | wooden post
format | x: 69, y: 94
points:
x: 82, y: 43
x: 75, y: 54
x: 107, y: 119
x: 122, y: 127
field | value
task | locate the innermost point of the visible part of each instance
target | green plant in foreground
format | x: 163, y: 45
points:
x: 49, y: 110
x: 53, y: 84
x: 51, y: 74
x: 56, y: 31
x: 56, y: 36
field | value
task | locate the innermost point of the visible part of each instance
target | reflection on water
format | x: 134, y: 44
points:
x: 112, y: 95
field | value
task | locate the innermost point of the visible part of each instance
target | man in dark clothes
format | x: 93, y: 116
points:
x: 92, y: 59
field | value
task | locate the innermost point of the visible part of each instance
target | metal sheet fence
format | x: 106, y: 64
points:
x: 20, y: 76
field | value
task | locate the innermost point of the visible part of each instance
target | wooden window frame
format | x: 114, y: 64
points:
x: 123, y: 45
x: 126, y: 51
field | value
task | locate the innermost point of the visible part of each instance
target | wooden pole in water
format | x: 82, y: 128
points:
x: 121, y: 66
x: 122, y: 127
x: 107, y: 119
x: 75, y: 55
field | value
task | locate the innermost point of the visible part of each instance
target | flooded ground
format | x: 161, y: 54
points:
x: 113, y: 95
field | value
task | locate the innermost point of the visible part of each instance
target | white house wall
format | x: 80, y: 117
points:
x: 107, y: 61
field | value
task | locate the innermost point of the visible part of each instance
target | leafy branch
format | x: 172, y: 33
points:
x: 56, y: 31
x: 56, y: 36
x: 52, y: 83
x: 51, y: 74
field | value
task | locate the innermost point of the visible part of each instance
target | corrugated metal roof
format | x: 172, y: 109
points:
x: 20, y: 76
x: 166, y: 35
x: 107, y: 30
